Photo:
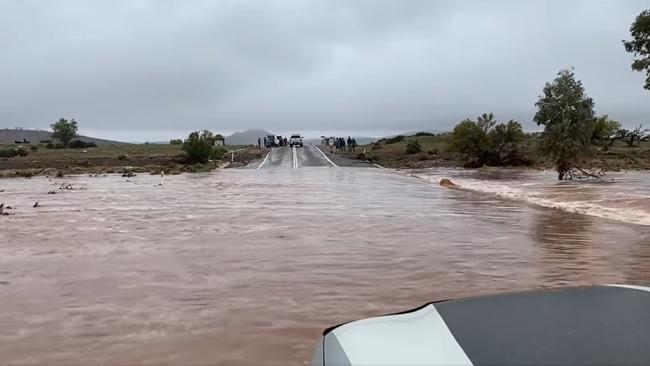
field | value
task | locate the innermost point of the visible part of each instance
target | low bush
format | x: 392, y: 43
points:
x: 45, y: 141
x: 78, y: 144
x: 7, y: 153
x: 487, y: 142
x: 121, y: 157
x: 413, y: 147
x: 395, y: 139
x: 33, y: 147
x: 424, y: 133
x: 218, y: 153
x: 372, y: 157
x: 11, y: 152
x: 199, y: 146
x: 176, y: 142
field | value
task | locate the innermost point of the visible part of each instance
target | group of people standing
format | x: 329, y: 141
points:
x: 341, y: 144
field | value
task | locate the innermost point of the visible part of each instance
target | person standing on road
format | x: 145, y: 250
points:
x: 265, y: 142
x: 354, y: 144
x: 259, y: 143
x: 349, y: 144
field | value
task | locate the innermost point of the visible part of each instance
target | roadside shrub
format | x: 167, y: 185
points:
x: 424, y: 133
x: 413, y: 147
x: 486, y: 141
x: 78, y: 144
x: 218, y: 153
x: 45, y: 141
x: 33, y: 147
x: 55, y: 146
x: 20, y: 151
x: 395, y: 139
x: 175, y: 142
x: 199, y: 146
x: 7, y: 153
x: 372, y: 157
x: 121, y: 157
x: 433, y: 151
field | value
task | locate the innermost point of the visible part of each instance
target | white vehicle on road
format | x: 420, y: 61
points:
x: 295, y: 140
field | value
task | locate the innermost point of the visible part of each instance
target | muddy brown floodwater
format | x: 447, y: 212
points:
x: 248, y: 266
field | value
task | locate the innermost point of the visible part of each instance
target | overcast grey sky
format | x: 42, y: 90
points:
x: 155, y: 69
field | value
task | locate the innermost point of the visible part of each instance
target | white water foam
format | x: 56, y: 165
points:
x: 531, y: 193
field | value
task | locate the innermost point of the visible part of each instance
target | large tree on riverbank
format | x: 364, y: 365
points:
x: 567, y: 115
x: 639, y: 46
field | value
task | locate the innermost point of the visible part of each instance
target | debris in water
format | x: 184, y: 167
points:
x: 448, y: 183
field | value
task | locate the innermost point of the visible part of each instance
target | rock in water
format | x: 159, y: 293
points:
x: 447, y: 183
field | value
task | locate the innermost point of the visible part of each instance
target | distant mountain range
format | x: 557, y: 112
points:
x: 248, y: 137
x: 9, y: 135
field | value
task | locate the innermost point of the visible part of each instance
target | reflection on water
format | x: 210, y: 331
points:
x: 563, y: 234
x: 247, y: 267
x: 565, y: 242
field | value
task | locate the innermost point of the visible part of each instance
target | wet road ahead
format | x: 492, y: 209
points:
x: 248, y: 266
x: 301, y: 157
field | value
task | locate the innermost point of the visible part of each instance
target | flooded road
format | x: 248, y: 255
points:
x: 248, y: 266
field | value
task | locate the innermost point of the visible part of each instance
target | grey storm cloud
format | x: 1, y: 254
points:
x: 135, y: 67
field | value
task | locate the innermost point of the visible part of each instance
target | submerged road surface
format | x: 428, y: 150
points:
x: 248, y: 266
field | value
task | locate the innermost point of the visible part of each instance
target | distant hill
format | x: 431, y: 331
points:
x: 9, y: 135
x: 248, y: 137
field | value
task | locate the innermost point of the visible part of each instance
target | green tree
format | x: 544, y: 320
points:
x: 605, y: 132
x: 486, y: 141
x: 64, y: 131
x: 567, y: 115
x: 199, y: 146
x: 639, y: 46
